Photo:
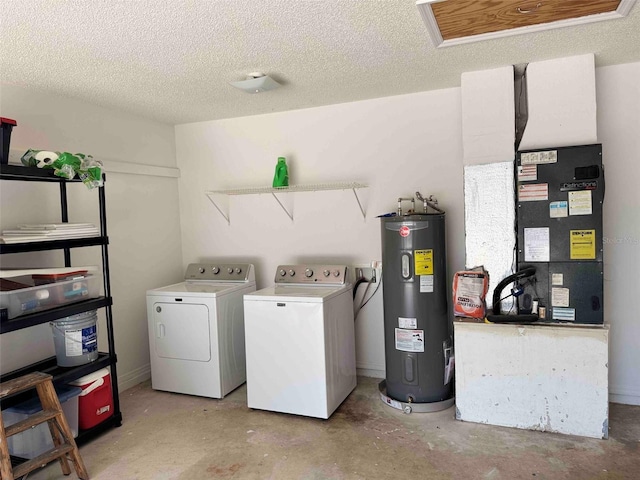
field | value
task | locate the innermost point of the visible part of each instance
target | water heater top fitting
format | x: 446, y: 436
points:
x: 431, y: 202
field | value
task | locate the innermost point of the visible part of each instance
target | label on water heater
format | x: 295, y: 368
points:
x: 409, y: 340
x: 423, y: 260
x: 404, y: 231
x: 426, y: 283
x: 407, y: 322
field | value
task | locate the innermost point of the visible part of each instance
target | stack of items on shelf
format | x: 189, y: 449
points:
x: 33, y: 290
x: 49, y: 231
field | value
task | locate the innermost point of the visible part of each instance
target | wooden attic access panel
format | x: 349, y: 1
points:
x: 465, y: 18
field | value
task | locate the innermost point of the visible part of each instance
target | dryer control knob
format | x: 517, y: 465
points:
x: 201, y: 269
x: 336, y: 273
x: 308, y: 273
x: 326, y: 273
x: 230, y: 270
x: 238, y: 270
x: 292, y: 272
x: 215, y: 270
x: 282, y: 272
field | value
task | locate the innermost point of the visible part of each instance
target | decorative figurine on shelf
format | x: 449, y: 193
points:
x: 281, y: 177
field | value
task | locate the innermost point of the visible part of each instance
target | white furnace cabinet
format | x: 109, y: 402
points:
x: 538, y: 377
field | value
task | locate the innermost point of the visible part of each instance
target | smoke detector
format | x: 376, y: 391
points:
x: 256, y: 82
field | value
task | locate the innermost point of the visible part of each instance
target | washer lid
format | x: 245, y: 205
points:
x: 200, y: 288
x: 296, y: 293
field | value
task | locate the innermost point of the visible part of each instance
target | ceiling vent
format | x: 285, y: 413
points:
x: 454, y: 22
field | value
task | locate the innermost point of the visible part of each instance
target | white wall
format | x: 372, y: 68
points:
x: 398, y: 145
x: 618, y: 99
x: 142, y: 215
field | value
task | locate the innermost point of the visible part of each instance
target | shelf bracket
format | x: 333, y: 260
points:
x: 226, y: 217
x: 282, y: 206
x: 355, y: 192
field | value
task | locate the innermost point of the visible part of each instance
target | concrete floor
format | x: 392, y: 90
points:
x: 170, y: 436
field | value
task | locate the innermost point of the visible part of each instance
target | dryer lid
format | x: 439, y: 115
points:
x: 200, y: 288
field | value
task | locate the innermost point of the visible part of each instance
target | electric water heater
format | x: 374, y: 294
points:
x: 418, y: 346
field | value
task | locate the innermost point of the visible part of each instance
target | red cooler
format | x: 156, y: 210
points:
x: 95, y: 403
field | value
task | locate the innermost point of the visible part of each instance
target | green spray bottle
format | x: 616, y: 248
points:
x: 281, y: 177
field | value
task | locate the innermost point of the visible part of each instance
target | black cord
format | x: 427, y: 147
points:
x: 368, y: 299
x: 505, y: 297
x: 371, y: 296
x: 359, y: 282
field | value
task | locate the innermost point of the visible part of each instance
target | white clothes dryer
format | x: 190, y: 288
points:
x: 196, y: 330
x: 300, y: 341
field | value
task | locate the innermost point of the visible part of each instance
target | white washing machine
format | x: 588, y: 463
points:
x: 300, y: 341
x: 196, y: 330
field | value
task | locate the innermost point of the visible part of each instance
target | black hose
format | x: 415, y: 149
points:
x: 359, y: 282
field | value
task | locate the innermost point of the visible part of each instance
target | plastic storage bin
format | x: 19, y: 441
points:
x: 34, y: 299
x: 95, y: 402
x: 35, y: 441
x: 6, y: 126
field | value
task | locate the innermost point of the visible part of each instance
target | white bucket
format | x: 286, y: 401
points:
x: 76, y: 339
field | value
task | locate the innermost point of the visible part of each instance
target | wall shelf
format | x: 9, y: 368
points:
x: 353, y: 186
x: 52, y: 244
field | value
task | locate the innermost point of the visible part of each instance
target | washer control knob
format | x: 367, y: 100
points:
x: 282, y: 272
x: 215, y: 270
x: 308, y: 273
x: 292, y: 272
x: 336, y: 273
x: 238, y: 270
x: 230, y: 270
x: 201, y: 269
x: 326, y: 273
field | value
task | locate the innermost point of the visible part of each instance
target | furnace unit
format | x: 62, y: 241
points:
x: 559, y: 216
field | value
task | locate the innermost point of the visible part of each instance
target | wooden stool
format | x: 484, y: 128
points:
x: 63, y: 443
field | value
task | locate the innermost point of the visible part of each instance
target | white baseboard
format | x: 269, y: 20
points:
x: 370, y: 372
x: 130, y: 379
x: 624, y: 399
x: 626, y: 395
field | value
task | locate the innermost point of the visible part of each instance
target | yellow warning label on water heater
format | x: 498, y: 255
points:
x: 423, y: 262
x: 583, y: 244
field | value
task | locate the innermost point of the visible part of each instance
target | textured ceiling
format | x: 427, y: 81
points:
x: 173, y: 60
